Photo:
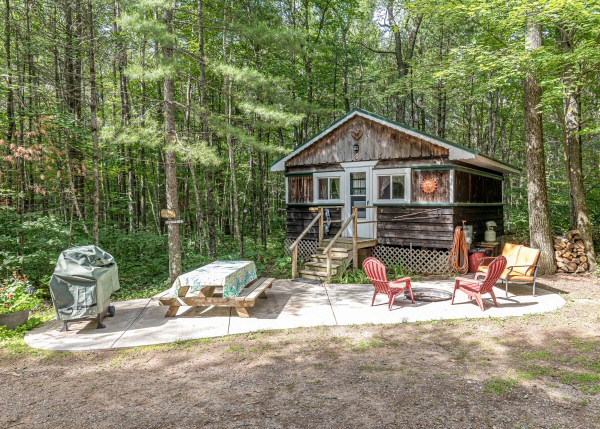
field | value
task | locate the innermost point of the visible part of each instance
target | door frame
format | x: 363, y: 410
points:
x: 357, y: 167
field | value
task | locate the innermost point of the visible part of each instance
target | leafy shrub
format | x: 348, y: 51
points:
x: 16, y: 295
x: 358, y: 276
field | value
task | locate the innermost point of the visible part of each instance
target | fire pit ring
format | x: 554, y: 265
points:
x: 428, y: 294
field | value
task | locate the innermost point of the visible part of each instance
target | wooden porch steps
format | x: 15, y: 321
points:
x: 316, y: 268
x: 336, y: 252
x: 341, y: 258
x: 341, y: 251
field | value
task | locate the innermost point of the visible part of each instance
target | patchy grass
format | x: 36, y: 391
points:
x: 536, y: 372
x: 589, y: 383
x: 537, y: 355
x: 499, y: 385
x: 367, y: 344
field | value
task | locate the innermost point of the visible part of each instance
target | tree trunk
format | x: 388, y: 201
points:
x: 94, y: 124
x: 403, y: 54
x: 573, y: 157
x: 539, y: 217
x: 10, y: 100
x: 171, y: 161
x: 230, y: 144
x: 208, y: 176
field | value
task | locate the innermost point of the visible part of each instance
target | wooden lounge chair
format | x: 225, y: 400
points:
x: 376, y: 272
x: 522, y: 265
x: 241, y: 303
x: 475, y: 288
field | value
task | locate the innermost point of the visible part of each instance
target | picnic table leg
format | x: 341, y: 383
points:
x: 207, y: 291
x: 242, y: 312
x: 172, y: 311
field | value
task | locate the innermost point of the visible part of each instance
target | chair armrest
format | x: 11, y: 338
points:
x: 467, y: 279
x: 480, y: 274
x: 521, y: 266
x: 512, y: 267
x: 402, y: 280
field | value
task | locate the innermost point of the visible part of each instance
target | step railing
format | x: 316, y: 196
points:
x: 328, y: 250
x: 353, y: 219
x: 294, y: 246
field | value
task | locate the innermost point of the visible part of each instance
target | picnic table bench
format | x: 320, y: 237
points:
x: 220, y: 284
x: 247, y: 298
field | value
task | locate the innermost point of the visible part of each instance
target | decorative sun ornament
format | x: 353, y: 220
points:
x: 429, y: 185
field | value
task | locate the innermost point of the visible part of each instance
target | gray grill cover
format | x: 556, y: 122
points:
x: 83, y: 280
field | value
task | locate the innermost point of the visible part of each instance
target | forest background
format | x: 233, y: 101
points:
x: 113, y: 110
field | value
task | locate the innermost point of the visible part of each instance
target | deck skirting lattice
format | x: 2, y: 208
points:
x: 305, y: 248
x: 418, y: 261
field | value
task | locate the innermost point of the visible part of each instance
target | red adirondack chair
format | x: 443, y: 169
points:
x: 475, y: 288
x: 375, y: 270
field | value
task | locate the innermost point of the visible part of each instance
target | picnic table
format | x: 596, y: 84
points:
x: 221, y: 284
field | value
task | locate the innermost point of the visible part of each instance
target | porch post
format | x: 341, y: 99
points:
x: 295, y: 262
x: 321, y: 226
x: 355, y: 237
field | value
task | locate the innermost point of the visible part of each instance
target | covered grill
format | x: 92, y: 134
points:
x: 83, y: 280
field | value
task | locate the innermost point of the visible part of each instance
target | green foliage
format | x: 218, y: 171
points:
x: 31, y: 247
x: 142, y: 259
x: 276, y: 73
x: 15, y: 295
x: 20, y: 331
x: 358, y: 276
x: 12, y: 339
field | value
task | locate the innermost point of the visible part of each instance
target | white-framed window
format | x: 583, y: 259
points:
x: 391, y: 185
x: 328, y: 187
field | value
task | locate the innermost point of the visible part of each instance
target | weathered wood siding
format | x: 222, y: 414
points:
x: 478, y: 216
x: 300, y: 189
x: 298, y: 218
x: 441, y: 194
x: 377, y: 142
x: 432, y: 229
x: 474, y: 188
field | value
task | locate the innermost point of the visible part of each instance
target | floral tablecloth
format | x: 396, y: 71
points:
x: 232, y: 275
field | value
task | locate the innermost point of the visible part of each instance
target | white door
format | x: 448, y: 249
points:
x: 358, y: 194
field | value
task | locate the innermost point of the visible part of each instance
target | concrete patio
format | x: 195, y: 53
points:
x: 290, y: 304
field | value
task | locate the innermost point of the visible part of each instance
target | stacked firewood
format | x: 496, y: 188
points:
x: 570, y: 253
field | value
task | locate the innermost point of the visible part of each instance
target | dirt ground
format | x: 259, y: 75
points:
x: 527, y: 372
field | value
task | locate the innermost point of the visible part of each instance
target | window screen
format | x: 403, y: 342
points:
x: 334, y: 188
x: 391, y: 187
x: 329, y: 188
x: 398, y: 187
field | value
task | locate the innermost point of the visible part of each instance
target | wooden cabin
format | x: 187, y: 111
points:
x: 406, y: 188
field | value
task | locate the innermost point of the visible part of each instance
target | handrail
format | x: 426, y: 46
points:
x: 336, y: 236
x: 353, y: 218
x: 294, y: 246
x: 301, y: 236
